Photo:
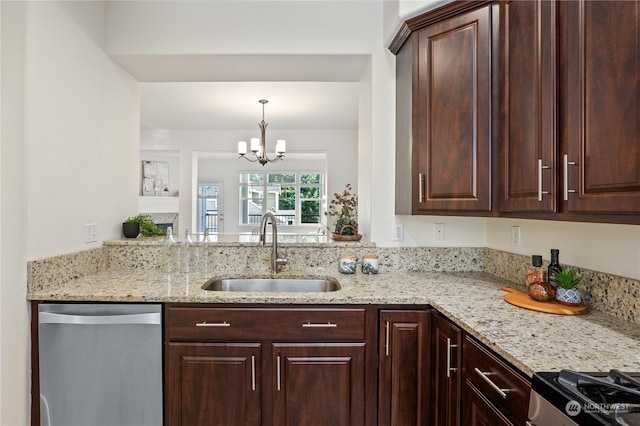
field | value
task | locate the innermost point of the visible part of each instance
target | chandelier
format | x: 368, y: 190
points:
x: 259, y: 146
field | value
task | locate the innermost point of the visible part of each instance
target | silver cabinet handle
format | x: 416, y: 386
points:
x: 528, y: 423
x: 502, y: 392
x: 420, y: 187
x: 540, y: 168
x: 213, y: 324
x: 253, y: 372
x: 278, y: 372
x: 386, y: 338
x: 567, y: 163
x: 316, y: 325
x: 449, y: 347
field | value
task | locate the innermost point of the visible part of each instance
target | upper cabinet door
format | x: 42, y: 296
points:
x: 453, y: 115
x: 528, y: 150
x: 600, y: 44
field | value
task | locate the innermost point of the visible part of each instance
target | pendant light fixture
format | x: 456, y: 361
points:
x: 258, y: 146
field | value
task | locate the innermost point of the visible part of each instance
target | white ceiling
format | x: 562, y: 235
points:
x: 205, y: 92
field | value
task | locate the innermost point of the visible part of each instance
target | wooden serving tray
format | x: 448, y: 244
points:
x: 522, y: 299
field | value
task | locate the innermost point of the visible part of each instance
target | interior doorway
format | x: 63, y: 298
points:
x: 211, y: 206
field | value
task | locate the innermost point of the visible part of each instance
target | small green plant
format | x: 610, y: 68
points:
x: 147, y: 227
x: 344, y: 210
x: 567, y: 278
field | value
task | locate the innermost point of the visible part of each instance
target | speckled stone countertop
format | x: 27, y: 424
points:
x: 531, y: 341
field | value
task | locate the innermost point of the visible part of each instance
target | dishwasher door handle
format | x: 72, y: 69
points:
x: 53, y: 318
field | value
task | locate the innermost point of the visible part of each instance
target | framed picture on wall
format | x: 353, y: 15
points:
x: 155, y: 178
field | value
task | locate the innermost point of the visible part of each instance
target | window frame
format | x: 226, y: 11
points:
x: 264, y: 185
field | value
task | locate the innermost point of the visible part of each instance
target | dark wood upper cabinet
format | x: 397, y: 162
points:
x: 528, y: 142
x: 445, y: 116
x: 600, y: 77
x: 453, y: 155
x: 568, y: 121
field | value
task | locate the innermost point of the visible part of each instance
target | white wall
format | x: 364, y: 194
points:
x: 82, y: 127
x: 69, y: 153
x: 339, y: 146
x: 14, y: 313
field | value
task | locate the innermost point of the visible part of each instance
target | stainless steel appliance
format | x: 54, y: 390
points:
x: 100, y: 364
x: 570, y: 398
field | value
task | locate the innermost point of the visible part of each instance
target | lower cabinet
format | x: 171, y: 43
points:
x: 446, y: 372
x: 215, y: 384
x: 318, y: 384
x: 268, y: 366
x: 494, y: 392
x: 333, y: 366
x: 405, y: 359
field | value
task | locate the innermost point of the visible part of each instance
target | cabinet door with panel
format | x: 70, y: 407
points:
x: 404, y: 353
x: 528, y: 148
x: 447, y: 372
x: 453, y: 115
x: 318, y: 384
x: 600, y: 76
x: 213, y: 384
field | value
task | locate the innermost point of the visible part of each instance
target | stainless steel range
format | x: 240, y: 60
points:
x: 569, y: 398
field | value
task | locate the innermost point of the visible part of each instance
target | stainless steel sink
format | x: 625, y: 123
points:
x: 274, y: 285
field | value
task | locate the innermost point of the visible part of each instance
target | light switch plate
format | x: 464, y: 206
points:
x: 438, y: 232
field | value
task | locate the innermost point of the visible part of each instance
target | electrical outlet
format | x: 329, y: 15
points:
x: 90, y: 232
x: 438, y: 231
x: 515, y: 236
x: 398, y: 232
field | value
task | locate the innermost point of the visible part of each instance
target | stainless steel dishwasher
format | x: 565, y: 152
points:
x: 100, y: 364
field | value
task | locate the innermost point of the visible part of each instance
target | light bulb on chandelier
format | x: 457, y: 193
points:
x: 258, y: 146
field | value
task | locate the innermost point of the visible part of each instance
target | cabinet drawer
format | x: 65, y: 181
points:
x: 484, y: 370
x: 215, y: 324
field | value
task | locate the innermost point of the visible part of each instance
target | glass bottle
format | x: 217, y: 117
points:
x: 554, y: 266
x: 204, y: 250
x: 186, y: 251
x: 170, y: 258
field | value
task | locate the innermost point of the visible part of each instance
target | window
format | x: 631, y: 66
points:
x: 295, y: 198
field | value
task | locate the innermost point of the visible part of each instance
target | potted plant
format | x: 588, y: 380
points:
x: 566, y: 280
x: 141, y: 224
x: 344, y: 210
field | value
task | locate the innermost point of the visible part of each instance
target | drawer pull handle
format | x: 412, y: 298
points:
x: 420, y: 187
x: 449, y: 347
x: 502, y: 392
x: 320, y: 325
x: 213, y: 324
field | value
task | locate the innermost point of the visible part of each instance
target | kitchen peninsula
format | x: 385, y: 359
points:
x: 452, y: 280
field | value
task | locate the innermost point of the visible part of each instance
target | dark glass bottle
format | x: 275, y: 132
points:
x: 554, y: 266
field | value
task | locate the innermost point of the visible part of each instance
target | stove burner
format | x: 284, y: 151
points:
x: 616, y: 396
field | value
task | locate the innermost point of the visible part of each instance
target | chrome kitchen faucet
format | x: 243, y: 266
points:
x: 276, y: 262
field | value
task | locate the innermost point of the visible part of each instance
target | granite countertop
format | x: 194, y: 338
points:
x: 531, y: 341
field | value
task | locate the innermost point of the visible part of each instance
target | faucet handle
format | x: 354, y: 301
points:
x: 280, y: 263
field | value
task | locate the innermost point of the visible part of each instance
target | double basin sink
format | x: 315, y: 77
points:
x: 273, y: 285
